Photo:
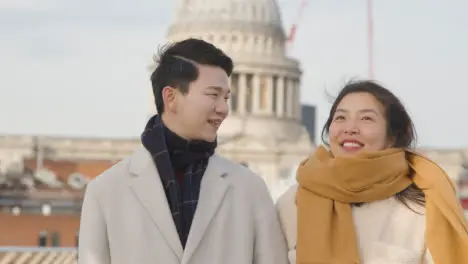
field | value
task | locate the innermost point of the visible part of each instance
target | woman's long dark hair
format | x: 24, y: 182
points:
x: 400, y: 127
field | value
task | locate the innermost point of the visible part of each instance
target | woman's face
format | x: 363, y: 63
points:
x: 358, y: 124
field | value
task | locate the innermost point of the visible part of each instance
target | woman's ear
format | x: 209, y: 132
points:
x: 391, y: 142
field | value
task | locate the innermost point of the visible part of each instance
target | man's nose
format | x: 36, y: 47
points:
x: 222, y: 108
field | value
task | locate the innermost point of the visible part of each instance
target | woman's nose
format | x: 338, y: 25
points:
x: 351, y: 129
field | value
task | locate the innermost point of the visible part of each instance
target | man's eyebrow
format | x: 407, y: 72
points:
x: 218, y: 89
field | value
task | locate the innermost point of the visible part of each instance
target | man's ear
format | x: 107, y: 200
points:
x: 169, y: 98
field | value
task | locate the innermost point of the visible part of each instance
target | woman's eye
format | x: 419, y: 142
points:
x: 339, y: 117
x: 367, y: 118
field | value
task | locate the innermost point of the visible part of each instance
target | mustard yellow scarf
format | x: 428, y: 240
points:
x: 327, y: 187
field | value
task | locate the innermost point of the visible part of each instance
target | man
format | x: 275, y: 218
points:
x: 174, y: 201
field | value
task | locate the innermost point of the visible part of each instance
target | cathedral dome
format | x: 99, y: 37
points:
x: 239, y: 27
x: 229, y: 11
x: 265, y: 84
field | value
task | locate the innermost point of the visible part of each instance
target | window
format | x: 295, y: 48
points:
x: 42, y: 239
x: 274, y: 94
x: 296, y: 98
x: 285, y: 95
x: 292, y: 99
x: 55, y: 239
x: 249, y: 94
x: 266, y: 45
x: 77, y: 236
x: 263, y: 93
x: 234, y: 91
x: 16, y: 210
x: 46, y: 209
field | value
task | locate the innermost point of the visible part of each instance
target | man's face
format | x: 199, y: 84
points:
x: 200, y: 112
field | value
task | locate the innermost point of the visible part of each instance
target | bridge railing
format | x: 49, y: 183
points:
x: 38, y: 255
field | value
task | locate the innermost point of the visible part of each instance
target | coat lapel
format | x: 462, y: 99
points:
x: 212, y: 192
x: 146, y: 186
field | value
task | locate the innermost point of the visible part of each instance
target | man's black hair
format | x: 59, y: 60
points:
x: 176, y: 66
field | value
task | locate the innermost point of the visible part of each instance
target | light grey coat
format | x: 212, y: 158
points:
x: 126, y: 219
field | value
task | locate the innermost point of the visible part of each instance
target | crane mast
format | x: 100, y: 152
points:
x: 292, y: 31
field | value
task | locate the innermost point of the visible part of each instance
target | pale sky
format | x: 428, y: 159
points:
x: 79, y: 68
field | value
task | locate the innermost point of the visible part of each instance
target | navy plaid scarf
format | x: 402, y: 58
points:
x: 173, y: 154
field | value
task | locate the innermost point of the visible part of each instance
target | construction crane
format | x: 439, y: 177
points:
x: 370, y: 33
x: 292, y: 31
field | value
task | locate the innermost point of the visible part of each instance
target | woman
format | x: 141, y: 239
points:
x: 367, y: 198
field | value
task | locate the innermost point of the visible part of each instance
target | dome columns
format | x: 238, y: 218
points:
x: 265, y: 94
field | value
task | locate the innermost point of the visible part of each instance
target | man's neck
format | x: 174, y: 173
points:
x: 170, y: 124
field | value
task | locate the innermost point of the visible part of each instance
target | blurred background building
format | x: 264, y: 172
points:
x: 43, y: 178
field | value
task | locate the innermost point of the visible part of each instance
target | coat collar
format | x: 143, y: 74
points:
x: 145, y: 184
